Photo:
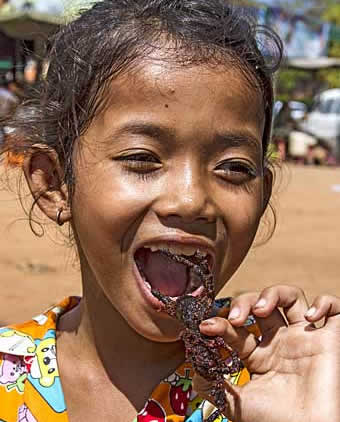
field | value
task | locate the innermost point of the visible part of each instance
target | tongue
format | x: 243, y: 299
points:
x: 165, y: 275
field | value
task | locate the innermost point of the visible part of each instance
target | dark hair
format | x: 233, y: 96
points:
x: 114, y: 36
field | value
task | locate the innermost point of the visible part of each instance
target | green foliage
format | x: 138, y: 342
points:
x: 332, y: 13
x: 332, y: 76
x: 334, y: 50
x: 289, y: 81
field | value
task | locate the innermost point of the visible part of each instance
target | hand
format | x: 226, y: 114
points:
x: 295, y: 369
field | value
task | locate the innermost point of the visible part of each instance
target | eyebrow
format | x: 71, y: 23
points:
x: 237, y: 139
x: 147, y: 129
x: 232, y: 139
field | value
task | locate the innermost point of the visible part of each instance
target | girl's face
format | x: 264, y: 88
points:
x: 174, y: 162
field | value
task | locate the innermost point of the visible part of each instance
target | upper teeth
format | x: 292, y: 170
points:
x: 177, y: 249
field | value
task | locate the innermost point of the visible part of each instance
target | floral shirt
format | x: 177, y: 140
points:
x: 31, y: 391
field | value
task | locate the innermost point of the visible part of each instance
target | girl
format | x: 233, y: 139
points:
x: 150, y: 138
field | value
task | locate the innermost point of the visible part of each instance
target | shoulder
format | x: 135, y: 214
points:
x: 26, y: 339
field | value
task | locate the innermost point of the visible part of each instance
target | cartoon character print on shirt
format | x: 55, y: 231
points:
x: 197, y: 416
x: 44, y: 375
x: 13, y: 373
x: 152, y: 412
x: 18, y: 349
x: 208, y: 409
x: 203, y: 412
x: 25, y: 415
x: 16, y: 343
x: 195, y: 403
x: 44, y: 365
x: 180, y: 392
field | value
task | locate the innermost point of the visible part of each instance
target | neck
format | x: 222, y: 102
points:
x: 103, y: 340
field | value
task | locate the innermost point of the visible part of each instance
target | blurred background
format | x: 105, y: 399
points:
x: 36, y: 272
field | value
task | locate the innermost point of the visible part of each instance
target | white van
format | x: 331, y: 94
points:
x: 323, y: 121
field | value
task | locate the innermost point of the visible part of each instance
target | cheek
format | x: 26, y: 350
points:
x: 107, y: 209
x: 242, y: 218
x: 246, y: 217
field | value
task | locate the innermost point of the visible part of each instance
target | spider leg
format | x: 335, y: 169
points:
x: 169, y: 303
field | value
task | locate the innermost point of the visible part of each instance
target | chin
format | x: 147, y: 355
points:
x: 165, y: 330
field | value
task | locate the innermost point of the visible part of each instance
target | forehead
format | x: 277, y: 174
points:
x: 204, y: 94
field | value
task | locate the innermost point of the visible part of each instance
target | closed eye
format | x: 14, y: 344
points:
x: 141, y: 163
x: 141, y: 157
x: 236, y: 172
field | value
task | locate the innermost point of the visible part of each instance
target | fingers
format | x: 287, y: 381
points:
x: 239, y: 339
x: 323, y: 307
x: 293, y: 301
x: 241, y: 307
x: 290, y: 298
x: 269, y: 317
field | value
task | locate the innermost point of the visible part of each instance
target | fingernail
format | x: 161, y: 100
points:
x: 311, y: 311
x: 261, y: 303
x: 209, y: 322
x: 234, y: 313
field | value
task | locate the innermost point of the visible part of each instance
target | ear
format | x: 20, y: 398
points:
x: 44, y: 177
x: 267, y: 187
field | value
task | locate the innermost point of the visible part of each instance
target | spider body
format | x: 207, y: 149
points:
x: 207, y: 355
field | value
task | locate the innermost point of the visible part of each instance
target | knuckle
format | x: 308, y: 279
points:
x: 223, y: 326
x: 273, y: 290
x: 286, y: 287
x: 318, y: 298
x: 324, y: 300
x: 299, y: 291
x: 248, y: 297
x: 296, y: 293
x: 288, y: 290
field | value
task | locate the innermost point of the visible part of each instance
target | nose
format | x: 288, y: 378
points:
x: 187, y: 196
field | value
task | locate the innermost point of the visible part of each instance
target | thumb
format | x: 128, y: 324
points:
x: 233, y: 395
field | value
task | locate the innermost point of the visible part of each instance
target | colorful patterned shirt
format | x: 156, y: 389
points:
x: 31, y: 391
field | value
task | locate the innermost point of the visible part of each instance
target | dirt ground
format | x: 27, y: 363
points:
x: 37, y: 272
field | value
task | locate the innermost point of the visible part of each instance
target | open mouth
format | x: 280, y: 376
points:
x: 173, y: 271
